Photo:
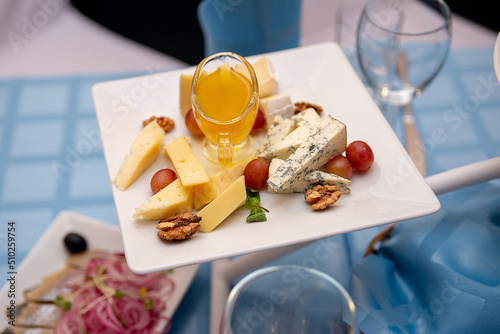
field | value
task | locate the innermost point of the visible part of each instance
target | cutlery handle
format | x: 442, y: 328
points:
x: 414, y: 144
x: 465, y: 176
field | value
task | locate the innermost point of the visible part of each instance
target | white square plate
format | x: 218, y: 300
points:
x: 49, y: 255
x: 391, y: 190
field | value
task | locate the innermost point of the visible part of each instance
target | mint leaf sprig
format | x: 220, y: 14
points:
x: 257, y: 213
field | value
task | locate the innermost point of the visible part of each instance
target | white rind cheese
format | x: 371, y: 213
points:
x: 330, y: 141
x: 276, y: 105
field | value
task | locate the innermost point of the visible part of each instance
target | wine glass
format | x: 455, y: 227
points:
x: 288, y: 299
x: 402, y: 45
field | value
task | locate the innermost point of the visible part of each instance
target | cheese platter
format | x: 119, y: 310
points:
x: 391, y: 190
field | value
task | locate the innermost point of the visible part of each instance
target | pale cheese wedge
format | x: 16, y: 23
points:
x: 219, y: 181
x: 172, y: 199
x: 187, y: 165
x: 266, y: 77
x: 223, y: 205
x: 143, y: 152
x: 185, y: 93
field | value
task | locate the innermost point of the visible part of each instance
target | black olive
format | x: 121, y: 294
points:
x: 75, y: 243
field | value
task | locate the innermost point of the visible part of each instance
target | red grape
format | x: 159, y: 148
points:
x: 256, y: 174
x: 161, y: 179
x: 191, y: 124
x: 260, y: 120
x: 340, y: 166
x: 360, y: 154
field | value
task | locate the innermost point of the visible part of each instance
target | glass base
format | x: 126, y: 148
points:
x: 240, y: 152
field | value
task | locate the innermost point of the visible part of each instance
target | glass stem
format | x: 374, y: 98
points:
x: 392, y: 114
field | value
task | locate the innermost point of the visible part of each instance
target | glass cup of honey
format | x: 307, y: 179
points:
x: 225, y: 99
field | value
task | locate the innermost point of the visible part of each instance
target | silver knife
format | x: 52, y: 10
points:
x: 414, y: 144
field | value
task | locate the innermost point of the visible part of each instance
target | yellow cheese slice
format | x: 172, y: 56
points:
x: 172, y: 199
x: 219, y: 181
x: 266, y: 76
x: 185, y: 93
x: 187, y: 165
x: 143, y: 152
x: 223, y: 205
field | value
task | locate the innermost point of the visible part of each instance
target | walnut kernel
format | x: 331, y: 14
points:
x: 301, y: 106
x: 166, y: 123
x: 322, y: 196
x: 179, y: 227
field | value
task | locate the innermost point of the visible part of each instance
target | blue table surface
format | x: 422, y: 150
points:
x: 52, y: 160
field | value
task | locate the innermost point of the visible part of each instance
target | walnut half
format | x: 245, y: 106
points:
x: 301, y: 106
x: 322, y: 196
x: 166, y: 123
x: 179, y: 227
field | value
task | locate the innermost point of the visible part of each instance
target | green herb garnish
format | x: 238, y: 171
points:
x: 60, y: 301
x: 118, y: 294
x: 257, y: 213
x: 149, y: 304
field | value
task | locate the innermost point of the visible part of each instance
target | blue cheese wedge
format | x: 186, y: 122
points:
x: 331, y: 140
x: 300, y: 186
x: 280, y: 129
x: 308, y: 117
x: 272, y: 168
x: 276, y: 105
x: 320, y: 177
x: 288, y: 145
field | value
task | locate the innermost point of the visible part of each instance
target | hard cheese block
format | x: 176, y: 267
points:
x: 187, y: 165
x: 223, y: 205
x: 143, y: 152
x: 331, y: 140
x: 266, y: 77
x: 219, y: 181
x: 172, y: 199
x: 185, y: 93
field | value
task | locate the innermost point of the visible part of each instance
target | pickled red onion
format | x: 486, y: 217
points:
x: 109, y: 298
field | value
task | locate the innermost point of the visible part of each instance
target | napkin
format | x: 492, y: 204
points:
x: 441, y: 273
x: 435, y: 275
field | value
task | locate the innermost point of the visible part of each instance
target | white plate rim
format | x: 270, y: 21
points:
x: 64, y: 222
x: 103, y: 96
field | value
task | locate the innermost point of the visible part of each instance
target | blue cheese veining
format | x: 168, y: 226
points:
x: 330, y: 141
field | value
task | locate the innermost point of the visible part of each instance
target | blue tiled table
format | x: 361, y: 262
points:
x: 51, y: 159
